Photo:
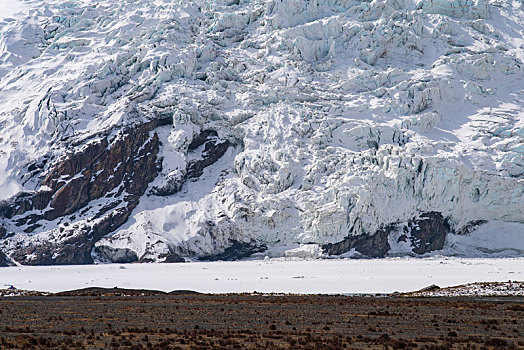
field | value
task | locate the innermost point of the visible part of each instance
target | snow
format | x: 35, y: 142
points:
x: 494, y: 238
x: 13, y: 8
x: 271, y: 275
x: 513, y: 288
x: 348, y: 115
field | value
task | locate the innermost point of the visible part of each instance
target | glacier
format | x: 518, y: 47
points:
x: 169, y: 130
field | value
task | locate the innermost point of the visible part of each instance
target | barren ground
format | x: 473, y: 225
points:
x: 99, y: 319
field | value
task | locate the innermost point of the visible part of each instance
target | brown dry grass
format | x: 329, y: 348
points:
x: 160, y: 321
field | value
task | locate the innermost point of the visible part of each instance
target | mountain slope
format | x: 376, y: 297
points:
x: 156, y: 131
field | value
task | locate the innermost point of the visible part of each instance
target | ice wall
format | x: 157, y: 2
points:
x: 343, y: 117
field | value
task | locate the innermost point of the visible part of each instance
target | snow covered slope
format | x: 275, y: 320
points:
x: 155, y: 130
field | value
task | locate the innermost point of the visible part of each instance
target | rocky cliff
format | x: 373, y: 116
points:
x: 140, y: 132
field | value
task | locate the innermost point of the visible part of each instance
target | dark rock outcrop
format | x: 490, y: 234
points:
x: 116, y: 255
x: 92, y: 173
x: 200, y: 139
x: 426, y: 233
x: 171, y: 257
x: 110, y: 254
x: 374, y: 246
x: 118, y: 170
x: 470, y: 227
x: 76, y: 248
x: 214, y: 149
x: 4, y: 260
x: 429, y: 288
x: 213, y: 152
x: 172, y: 186
x: 237, y: 250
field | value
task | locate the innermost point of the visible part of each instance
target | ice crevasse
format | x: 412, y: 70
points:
x: 180, y: 130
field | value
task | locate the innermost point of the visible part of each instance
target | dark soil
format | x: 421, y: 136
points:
x: 92, y: 319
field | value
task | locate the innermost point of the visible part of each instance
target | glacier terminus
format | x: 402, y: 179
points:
x: 182, y: 130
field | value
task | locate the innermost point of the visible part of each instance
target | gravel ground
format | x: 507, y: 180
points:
x: 105, y: 319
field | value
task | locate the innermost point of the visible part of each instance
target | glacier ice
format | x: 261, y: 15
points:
x: 341, y: 117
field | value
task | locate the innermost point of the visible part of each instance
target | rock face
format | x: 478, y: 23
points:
x: 214, y: 149
x: 216, y: 129
x: 374, y: 246
x: 426, y: 234
x: 92, y: 173
x: 237, y: 250
x: 120, y: 256
x: 117, y: 170
x: 4, y: 261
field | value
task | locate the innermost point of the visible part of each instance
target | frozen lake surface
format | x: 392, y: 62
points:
x: 275, y: 275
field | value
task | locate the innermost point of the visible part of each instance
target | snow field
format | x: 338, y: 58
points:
x: 271, y: 275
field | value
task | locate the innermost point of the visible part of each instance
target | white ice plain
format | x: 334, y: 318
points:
x: 337, y: 276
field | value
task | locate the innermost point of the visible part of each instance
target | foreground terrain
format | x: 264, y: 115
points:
x: 102, y: 319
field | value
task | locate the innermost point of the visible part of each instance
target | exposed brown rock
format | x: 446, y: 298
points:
x: 427, y: 233
x: 374, y: 246
x: 119, y: 170
x: 214, y: 149
x: 116, y: 255
x: 93, y: 171
x: 470, y: 227
x: 202, y: 138
x: 237, y: 250
x: 171, y: 257
x: 76, y: 248
x: 122, y: 167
